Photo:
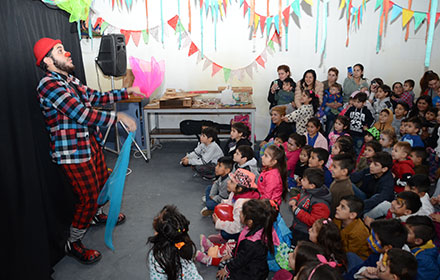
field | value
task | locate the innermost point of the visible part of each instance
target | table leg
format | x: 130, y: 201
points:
x: 147, y: 133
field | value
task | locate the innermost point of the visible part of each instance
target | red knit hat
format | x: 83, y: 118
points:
x: 42, y: 47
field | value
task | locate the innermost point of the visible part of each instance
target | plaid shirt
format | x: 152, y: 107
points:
x: 67, y: 107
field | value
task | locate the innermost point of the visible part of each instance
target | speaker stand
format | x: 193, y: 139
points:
x: 115, y: 125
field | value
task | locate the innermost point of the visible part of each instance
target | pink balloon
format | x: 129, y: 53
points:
x: 224, y: 212
x: 148, y: 75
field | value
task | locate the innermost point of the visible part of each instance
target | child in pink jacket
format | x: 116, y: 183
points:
x: 272, y: 182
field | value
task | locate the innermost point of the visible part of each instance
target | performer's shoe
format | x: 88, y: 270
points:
x: 101, y: 219
x: 82, y: 254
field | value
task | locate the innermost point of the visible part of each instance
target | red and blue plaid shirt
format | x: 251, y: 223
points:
x: 67, y: 107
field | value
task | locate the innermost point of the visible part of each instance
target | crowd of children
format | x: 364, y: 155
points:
x: 357, y: 177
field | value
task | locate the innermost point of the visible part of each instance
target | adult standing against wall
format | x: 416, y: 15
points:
x: 276, y: 85
x: 307, y: 83
x: 73, y: 126
x: 430, y: 84
x: 354, y: 81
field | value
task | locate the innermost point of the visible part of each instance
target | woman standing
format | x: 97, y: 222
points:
x: 354, y: 81
x: 307, y: 83
x: 275, y: 86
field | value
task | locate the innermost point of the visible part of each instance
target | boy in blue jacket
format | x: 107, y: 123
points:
x: 377, y: 181
x: 421, y: 231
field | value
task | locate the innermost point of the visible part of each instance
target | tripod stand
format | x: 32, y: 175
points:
x: 117, y: 149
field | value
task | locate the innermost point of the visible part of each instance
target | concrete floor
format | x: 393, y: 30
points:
x: 151, y: 186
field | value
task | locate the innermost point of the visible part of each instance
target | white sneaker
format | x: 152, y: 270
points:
x: 204, y: 198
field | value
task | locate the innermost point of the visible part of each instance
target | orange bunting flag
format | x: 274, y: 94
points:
x: 136, y: 36
x: 260, y: 61
x: 407, y: 27
x: 173, y: 22
x: 192, y: 49
x: 437, y: 17
x: 286, y: 14
x: 126, y: 33
x: 215, y: 68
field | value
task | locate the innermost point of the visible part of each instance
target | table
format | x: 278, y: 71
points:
x: 157, y: 133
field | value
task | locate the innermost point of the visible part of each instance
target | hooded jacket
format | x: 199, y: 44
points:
x: 388, y: 124
x: 381, y: 104
x: 401, y: 168
x: 427, y: 266
x: 250, y: 165
x: 312, y: 204
x: 376, y: 189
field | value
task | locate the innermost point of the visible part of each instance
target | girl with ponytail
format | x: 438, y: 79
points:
x: 172, y: 252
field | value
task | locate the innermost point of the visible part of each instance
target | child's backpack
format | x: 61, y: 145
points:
x: 280, y: 258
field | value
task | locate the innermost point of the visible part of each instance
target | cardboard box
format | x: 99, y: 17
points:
x: 176, y: 103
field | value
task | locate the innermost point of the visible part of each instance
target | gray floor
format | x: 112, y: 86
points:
x: 151, y: 186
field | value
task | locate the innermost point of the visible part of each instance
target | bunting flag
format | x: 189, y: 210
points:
x: 406, y: 16
x: 395, y: 12
x: 173, y: 22
x: 126, y: 34
x: 418, y: 19
x: 226, y: 74
x: 296, y: 8
x: 260, y: 61
x: 192, y: 49
x: 136, y: 36
x: 215, y: 68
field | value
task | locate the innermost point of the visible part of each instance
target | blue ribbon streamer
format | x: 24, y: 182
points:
x: 78, y: 25
x: 178, y: 24
x: 378, y: 31
x: 317, y: 25
x: 432, y: 15
x: 324, y: 27
x: 161, y: 19
x: 268, y: 25
x: 113, y: 189
x: 201, y: 32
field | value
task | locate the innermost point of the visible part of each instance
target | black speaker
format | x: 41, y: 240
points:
x: 112, y: 57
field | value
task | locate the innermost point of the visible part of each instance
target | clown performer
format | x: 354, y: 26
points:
x: 75, y: 138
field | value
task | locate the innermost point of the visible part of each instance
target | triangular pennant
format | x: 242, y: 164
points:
x: 155, y: 33
x: 245, y: 8
x: 192, y: 49
x: 271, y: 46
x: 310, y: 2
x: 386, y: 7
x: 104, y: 26
x: 256, y: 20
x: 226, y: 73
x: 145, y: 36
x: 186, y: 40
x: 126, y: 33
x: 437, y: 17
x: 199, y: 57
x: 249, y: 71
x: 206, y: 64
x: 406, y: 16
x: 276, y: 38
x: 173, y: 22
x: 296, y: 8
x: 277, y: 23
x: 264, y: 55
x: 136, y: 36
x: 378, y: 4
x: 342, y: 5
x: 215, y: 68
x: 260, y: 61
x: 268, y: 25
x: 395, y: 12
x: 286, y: 14
x: 262, y: 23
x: 418, y: 19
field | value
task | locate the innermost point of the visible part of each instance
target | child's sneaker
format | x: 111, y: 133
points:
x: 204, y: 198
x: 203, y: 258
x: 217, y: 238
x: 206, y: 212
x: 205, y: 243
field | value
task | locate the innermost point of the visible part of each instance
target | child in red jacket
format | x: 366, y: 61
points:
x: 403, y: 167
x: 272, y: 183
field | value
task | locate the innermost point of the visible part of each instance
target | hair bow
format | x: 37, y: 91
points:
x: 326, y: 221
x: 179, y: 245
x: 273, y: 204
x: 322, y: 261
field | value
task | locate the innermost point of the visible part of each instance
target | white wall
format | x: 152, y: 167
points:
x: 397, y: 60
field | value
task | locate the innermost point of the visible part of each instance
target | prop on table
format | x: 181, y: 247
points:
x: 148, y: 74
x: 113, y: 189
x: 224, y: 212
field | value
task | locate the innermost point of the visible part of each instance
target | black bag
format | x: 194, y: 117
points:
x: 192, y: 127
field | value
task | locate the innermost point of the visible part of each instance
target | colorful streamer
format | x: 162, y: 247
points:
x: 324, y: 28
x: 432, y: 16
x: 161, y: 21
x: 317, y: 25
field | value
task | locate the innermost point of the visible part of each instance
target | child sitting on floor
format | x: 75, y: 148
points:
x: 353, y: 231
x: 371, y: 148
x: 244, y: 158
x: 412, y: 129
x: 421, y: 232
x: 418, y: 156
x: 218, y: 191
x: 311, y: 204
x: 341, y: 169
x: 341, y: 126
x: 318, y: 158
x: 293, y: 148
x: 249, y: 260
x: 387, y: 140
x: 205, y: 155
x: 172, y: 252
x: 301, y: 166
x: 272, y: 182
x: 385, y: 120
x: 400, y: 112
x: 242, y: 187
x: 314, y: 136
x: 420, y: 185
x: 403, y: 167
x: 239, y: 136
